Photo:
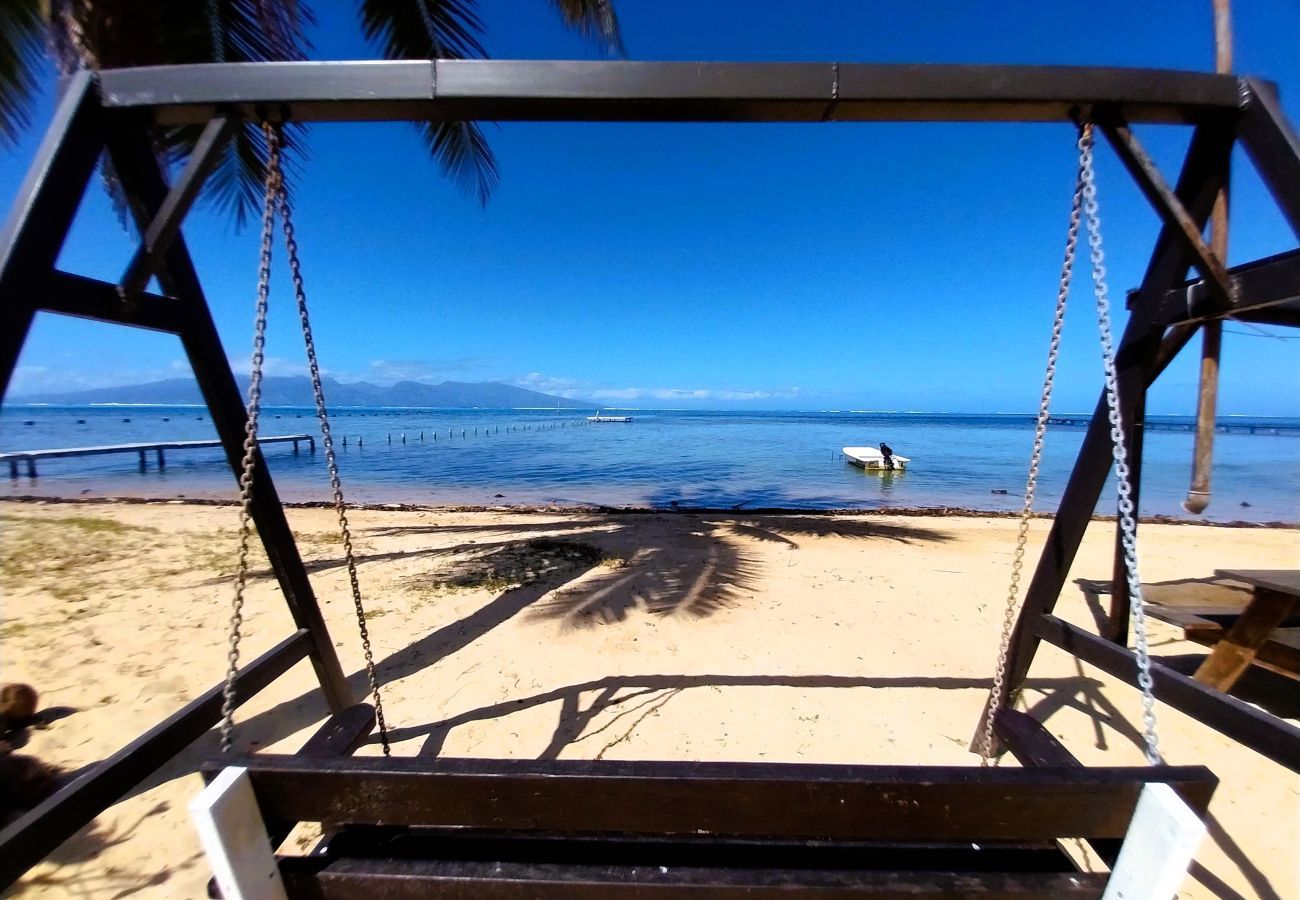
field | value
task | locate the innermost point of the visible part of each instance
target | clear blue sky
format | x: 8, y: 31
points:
x: 779, y: 266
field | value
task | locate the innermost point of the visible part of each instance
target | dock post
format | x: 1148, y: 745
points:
x: 345, y: 440
x: 31, y: 467
x: 295, y: 448
x: 162, y: 461
x: 403, y: 437
x: 13, y: 468
x: 311, y: 445
x: 143, y: 462
x: 359, y: 442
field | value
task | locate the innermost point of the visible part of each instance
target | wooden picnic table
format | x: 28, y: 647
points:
x: 1274, y: 596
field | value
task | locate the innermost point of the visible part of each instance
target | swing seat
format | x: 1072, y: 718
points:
x: 494, y: 828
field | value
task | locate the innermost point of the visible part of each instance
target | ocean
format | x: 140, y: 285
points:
x: 663, y: 458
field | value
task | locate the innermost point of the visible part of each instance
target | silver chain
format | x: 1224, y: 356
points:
x: 273, y: 188
x: 1031, y: 483
x: 1123, y: 476
x: 218, y: 38
x: 327, y: 437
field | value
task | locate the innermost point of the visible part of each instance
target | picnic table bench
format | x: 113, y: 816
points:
x: 1261, y: 627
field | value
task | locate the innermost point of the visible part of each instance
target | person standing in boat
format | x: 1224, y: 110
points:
x: 888, y: 453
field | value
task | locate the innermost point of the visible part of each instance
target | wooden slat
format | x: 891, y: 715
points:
x: 393, y: 879
x: 371, y: 842
x: 1268, y: 735
x: 1285, y: 580
x: 341, y: 734
x: 1031, y: 743
x: 739, y: 799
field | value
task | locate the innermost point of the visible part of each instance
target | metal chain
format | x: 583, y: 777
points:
x: 1031, y: 483
x: 273, y: 188
x: 1123, y: 476
x: 291, y: 247
x: 218, y: 37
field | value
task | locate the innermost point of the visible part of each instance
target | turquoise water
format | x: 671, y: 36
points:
x: 714, y: 459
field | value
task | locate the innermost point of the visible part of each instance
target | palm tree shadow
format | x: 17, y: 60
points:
x: 686, y: 564
x: 653, y: 691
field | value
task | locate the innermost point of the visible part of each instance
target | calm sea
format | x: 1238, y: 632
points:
x: 715, y: 459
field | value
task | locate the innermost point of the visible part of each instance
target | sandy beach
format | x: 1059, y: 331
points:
x: 791, y: 637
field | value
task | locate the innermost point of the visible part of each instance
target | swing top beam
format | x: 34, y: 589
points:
x: 549, y: 90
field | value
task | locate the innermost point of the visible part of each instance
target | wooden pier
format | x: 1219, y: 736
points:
x: 1279, y: 429
x: 31, y: 456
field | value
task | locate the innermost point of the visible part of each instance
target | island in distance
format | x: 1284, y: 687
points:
x: 295, y: 390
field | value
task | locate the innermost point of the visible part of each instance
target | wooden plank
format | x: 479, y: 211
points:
x: 1239, y: 645
x: 1159, y: 847
x: 623, y: 90
x: 393, y: 879
x: 708, y: 850
x: 739, y: 799
x: 1031, y: 743
x: 1286, y: 581
x: 234, y: 839
x: 90, y: 298
x: 1267, y: 735
x: 43, y: 210
x: 342, y: 733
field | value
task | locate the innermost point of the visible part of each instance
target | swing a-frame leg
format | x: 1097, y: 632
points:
x: 1144, y: 352
x: 33, y: 236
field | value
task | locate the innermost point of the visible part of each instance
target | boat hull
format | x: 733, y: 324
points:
x: 872, y: 459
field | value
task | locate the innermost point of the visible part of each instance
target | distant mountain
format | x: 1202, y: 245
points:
x: 296, y: 391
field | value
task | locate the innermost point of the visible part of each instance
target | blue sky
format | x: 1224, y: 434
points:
x: 852, y: 266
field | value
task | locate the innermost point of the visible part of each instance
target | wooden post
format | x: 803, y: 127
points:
x: 142, y: 461
x: 31, y: 467
x: 162, y: 460
x: 1198, y: 494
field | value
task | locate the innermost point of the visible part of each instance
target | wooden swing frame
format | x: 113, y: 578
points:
x: 112, y: 111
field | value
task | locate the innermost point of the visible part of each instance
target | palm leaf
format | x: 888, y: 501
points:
x: 452, y: 29
x: 249, y: 31
x: 424, y: 29
x: 464, y: 155
x: 593, y: 19
x: 21, y: 28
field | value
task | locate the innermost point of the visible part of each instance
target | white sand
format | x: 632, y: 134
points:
x: 698, y: 637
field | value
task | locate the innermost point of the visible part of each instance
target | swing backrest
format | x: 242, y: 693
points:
x: 589, y: 828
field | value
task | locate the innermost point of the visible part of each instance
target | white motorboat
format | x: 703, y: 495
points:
x: 872, y: 458
x: 599, y: 418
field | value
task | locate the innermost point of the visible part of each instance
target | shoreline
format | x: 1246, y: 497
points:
x: 957, y: 512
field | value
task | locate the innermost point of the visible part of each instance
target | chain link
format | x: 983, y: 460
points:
x: 327, y: 437
x: 273, y: 187
x: 1031, y: 483
x: 218, y: 36
x: 1123, y: 476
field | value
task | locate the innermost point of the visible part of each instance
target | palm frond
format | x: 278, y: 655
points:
x: 424, y: 29
x: 249, y: 31
x: 21, y: 27
x: 463, y: 154
x: 594, y: 19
